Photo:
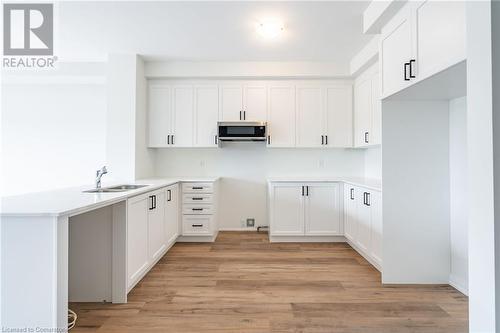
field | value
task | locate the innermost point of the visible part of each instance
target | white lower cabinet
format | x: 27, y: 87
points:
x: 199, y: 210
x: 304, y: 209
x: 156, y: 224
x: 171, y: 214
x: 363, y: 221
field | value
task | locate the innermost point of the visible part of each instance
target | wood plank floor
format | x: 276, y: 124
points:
x: 242, y: 283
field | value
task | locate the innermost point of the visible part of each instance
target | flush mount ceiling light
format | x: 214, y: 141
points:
x: 269, y: 28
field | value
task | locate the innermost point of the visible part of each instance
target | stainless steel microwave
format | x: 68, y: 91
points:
x: 242, y: 130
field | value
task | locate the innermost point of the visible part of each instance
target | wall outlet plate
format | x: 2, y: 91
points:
x: 251, y: 222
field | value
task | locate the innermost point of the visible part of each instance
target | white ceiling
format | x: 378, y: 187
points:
x: 210, y: 31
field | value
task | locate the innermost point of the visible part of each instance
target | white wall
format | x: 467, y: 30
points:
x: 458, y: 194
x: 415, y: 181
x: 373, y: 162
x: 245, y: 167
x: 53, y: 129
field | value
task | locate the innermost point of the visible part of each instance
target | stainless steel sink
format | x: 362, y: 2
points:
x: 112, y: 189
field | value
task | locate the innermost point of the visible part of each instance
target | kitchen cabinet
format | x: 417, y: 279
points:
x: 199, y: 211
x: 339, y: 127
x: 171, y: 214
x: 304, y: 209
x: 422, y: 39
x: 363, y: 221
x: 156, y: 224
x: 206, y: 115
x: 310, y: 116
x: 137, y: 238
x: 322, y: 209
x: 244, y: 102
x: 160, y: 114
x: 281, y: 116
x: 367, y: 109
x: 182, y: 123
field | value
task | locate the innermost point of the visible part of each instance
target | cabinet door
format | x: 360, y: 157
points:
x: 183, y: 103
x: 207, y: 115
x: 159, y: 114
x: 440, y: 34
x: 362, y: 112
x: 339, y: 116
x: 137, y: 237
x: 350, y: 212
x: 364, y: 223
x: 310, y: 116
x: 255, y: 103
x: 375, y: 202
x: 395, y: 51
x: 281, y: 117
x: 375, y: 136
x: 322, y: 209
x: 171, y: 214
x: 231, y: 103
x: 287, y: 209
x: 156, y: 224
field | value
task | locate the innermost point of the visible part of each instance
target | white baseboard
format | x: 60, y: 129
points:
x: 307, y: 239
x: 238, y: 229
x: 459, y: 285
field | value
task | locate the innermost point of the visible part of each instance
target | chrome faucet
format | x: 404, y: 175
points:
x: 98, y: 175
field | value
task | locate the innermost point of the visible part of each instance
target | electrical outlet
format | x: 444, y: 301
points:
x: 250, y: 222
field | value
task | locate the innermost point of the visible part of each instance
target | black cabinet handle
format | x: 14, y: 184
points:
x: 215, y: 139
x: 412, y: 76
x: 326, y: 139
x: 268, y: 139
x: 197, y: 188
x: 368, y: 203
x: 169, y: 195
x: 197, y: 198
x: 197, y: 225
x: 352, y: 194
x: 406, y: 67
x: 307, y: 191
x: 168, y: 139
x: 244, y: 115
x: 364, y: 198
x: 322, y: 140
x: 366, y: 137
x: 240, y: 114
x: 151, y: 206
x: 197, y: 209
x: 154, y: 197
x: 302, y: 190
x: 173, y: 136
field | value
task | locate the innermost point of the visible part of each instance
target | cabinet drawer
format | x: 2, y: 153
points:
x: 198, y: 188
x: 196, y: 225
x: 194, y: 209
x: 193, y: 198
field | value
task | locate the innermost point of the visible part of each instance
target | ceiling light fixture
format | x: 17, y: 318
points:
x: 269, y: 28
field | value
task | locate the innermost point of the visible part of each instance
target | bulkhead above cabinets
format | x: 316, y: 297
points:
x: 298, y: 113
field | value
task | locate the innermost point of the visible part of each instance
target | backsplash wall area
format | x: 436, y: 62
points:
x: 245, y: 168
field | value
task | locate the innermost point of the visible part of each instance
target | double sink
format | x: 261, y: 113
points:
x: 118, y: 188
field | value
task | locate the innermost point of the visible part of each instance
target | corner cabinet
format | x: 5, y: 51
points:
x: 363, y: 222
x: 422, y: 39
x: 304, y: 209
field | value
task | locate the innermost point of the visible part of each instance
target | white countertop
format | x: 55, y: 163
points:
x: 72, y: 201
x: 373, y: 184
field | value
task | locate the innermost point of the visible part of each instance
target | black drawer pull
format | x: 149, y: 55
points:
x: 197, y: 188
x: 197, y: 198
x: 197, y: 225
x: 197, y: 209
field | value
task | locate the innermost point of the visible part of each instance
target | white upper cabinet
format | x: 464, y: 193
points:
x: 281, y: 116
x: 396, y: 51
x: 310, y: 116
x: 160, y: 114
x: 206, y: 115
x: 322, y: 211
x: 255, y: 102
x: 422, y: 39
x: 231, y: 102
x: 440, y: 35
x: 367, y: 109
x: 183, y: 103
x: 338, y: 116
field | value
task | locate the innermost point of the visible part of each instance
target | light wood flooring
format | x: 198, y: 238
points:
x: 242, y: 283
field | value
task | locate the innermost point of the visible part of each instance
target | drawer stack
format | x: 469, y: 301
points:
x: 198, y: 209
